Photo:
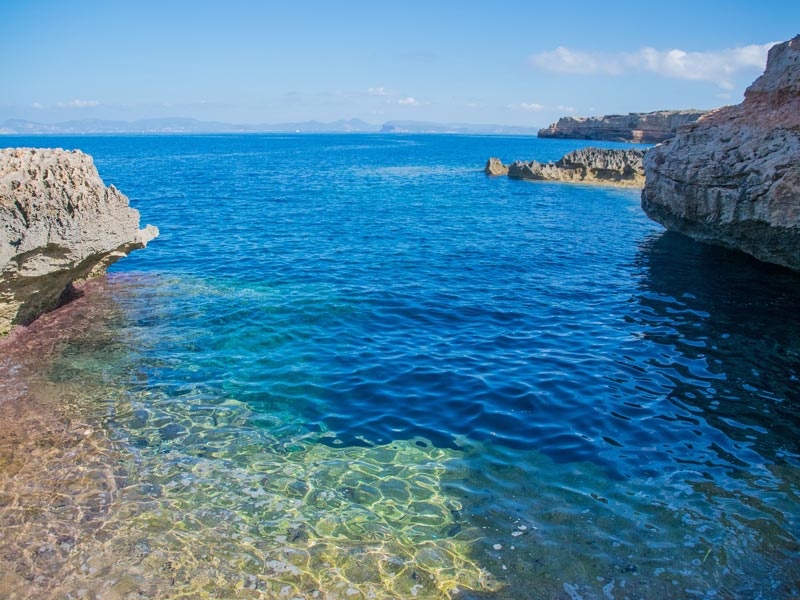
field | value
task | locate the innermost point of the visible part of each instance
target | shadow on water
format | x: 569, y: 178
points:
x: 728, y: 321
x: 695, y: 365
x: 692, y: 490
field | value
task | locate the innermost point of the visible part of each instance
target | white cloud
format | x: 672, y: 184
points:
x: 408, y: 101
x: 569, y: 109
x: 716, y: 66
x: 37, y: 105
x: 78, y: 104
x: 377, y: 91
x: 564, y: 60
x: 527, y: 106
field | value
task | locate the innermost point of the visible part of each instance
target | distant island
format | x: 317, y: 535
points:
x: 638, y: 128
x: 186, y: 125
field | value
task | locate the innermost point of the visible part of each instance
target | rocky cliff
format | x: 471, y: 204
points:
x: 733, y: 178
x: 639, y: 128
x: 59, y: 224
x: 587, y: 165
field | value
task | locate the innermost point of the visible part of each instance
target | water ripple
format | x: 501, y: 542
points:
x: 389, y: 364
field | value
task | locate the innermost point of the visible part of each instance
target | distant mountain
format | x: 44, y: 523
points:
x: 341, y: 126
x: 186, y: 125
x: 168, y: 125
x: 462, y: 128
x: 179, y: 125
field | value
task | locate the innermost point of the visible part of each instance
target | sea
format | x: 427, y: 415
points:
x: 355, y: 366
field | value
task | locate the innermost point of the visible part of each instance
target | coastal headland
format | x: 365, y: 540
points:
x: 638, y: 128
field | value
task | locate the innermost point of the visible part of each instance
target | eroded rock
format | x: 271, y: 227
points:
x: 59, y: 224
x: 587, y: 165
x: 494, y: 166
x: 733, y: 178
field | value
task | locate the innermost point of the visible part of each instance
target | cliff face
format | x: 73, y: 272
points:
x: 587, y: 165
x: 733, y: 178
x: 59, y: 224
x: 640, y: 128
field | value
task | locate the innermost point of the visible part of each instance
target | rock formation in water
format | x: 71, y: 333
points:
x: 733, y: 178
x: 639, y: 128
x: 59, y: 224
x: 494, y: 166
x: 587, y: 165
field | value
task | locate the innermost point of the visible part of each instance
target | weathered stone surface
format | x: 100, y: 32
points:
x: 587, y: 165
x: 639, y: 128
x: 733, y: 178
x: 494, y: 166
x: 58, y: 224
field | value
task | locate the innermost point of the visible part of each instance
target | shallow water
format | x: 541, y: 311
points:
x: 354, y: 366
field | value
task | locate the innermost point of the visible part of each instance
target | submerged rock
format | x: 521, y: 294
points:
x: 59, y: 224
x: 640, y: 128
x: 733, y: 178
x: 587, y: 165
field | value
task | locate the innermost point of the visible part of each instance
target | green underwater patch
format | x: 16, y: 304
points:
x: 222, y: 509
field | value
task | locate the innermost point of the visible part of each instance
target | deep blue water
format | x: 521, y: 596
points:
x: 628, y: 394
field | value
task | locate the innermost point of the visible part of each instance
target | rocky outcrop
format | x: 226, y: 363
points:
x: 733, y: 178
x: 588, y: 165
x: 59, y: 224
x: 639, y: 128
x: 494, y: 166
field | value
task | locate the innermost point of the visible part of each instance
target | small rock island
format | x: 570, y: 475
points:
x: 733, y: 177
x: 59, y: 225
x: 587, y: 165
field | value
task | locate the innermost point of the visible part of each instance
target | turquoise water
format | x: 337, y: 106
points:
x: 355, y: 366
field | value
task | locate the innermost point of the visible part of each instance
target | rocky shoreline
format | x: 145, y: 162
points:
x: 59, y: 224
x: 733, y: 178
x: 638, y: 128
x: 61, y: 474
x: 588, y: 165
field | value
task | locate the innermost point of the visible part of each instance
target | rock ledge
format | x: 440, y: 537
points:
x: 59, y: 224
x: 587, y: 165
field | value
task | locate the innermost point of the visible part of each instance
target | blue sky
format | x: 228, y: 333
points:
x: 476, y: 62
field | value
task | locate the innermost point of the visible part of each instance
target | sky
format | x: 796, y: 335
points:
x: 524, y: 63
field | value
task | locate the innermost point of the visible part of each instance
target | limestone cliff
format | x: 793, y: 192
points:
x: 639, y: 128
x: 733, y: 178
x: 58, y: 224
x: 587, y: 165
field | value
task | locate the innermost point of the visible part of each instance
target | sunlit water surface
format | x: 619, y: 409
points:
x: 356, y: 367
